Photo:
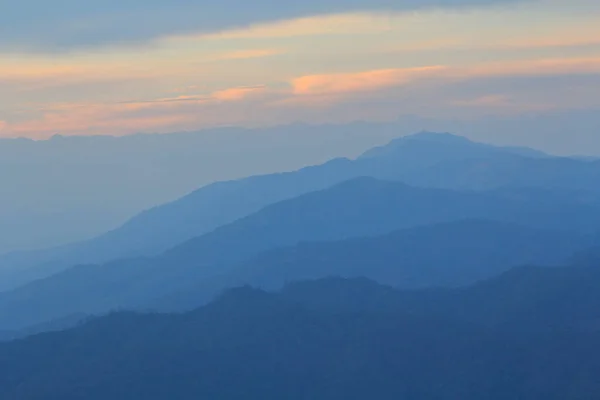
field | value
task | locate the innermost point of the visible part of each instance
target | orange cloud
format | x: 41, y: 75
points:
x: 328, y: 89
x: 239, y: 93
x: 359, y: 81
x: 229, y: 94
x: 162, y: 114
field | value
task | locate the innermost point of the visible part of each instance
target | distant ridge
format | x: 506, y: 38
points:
x: 69, y: 188
x: 160, y: 228
x: 422, y: 160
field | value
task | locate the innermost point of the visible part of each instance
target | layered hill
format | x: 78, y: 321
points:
x: 330, y: 339
x: 419, y: 159
x: 361, y: 207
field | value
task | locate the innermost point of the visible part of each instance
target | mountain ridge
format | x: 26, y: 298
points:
x: 359, y: 207
x: 160, y: 228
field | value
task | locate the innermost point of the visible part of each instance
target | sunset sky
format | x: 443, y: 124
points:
x: 128, y: 66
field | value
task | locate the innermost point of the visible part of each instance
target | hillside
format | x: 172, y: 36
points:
x: 318, y: 340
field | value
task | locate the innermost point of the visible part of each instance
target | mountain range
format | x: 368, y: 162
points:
x: 521, y: 231
x: 432, y: 267
x: 426, y: 159
x: 338, y: 218
x: 73, y: 188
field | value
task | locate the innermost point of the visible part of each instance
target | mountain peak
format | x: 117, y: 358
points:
x: 428, y: 148
x: 424, y: 142
x: 443, y: 137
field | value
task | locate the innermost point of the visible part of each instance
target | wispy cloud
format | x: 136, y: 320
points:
x: 430, y: 90
x: 319, y: 25
x: 41, y: 25
x: 324, y: 65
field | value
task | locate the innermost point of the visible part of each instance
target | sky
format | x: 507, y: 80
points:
x: 119, y: 67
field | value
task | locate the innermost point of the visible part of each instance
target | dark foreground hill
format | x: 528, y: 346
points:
x: 329, y: 339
